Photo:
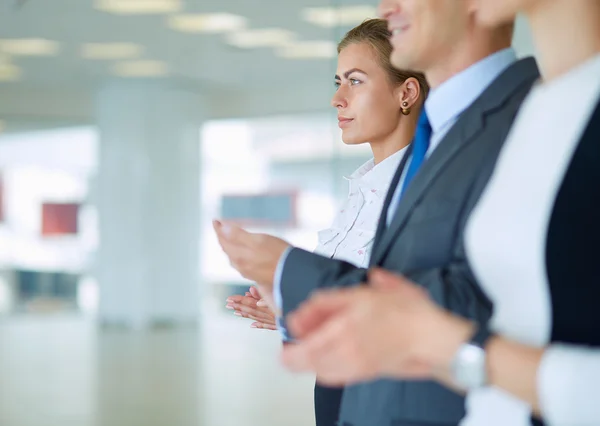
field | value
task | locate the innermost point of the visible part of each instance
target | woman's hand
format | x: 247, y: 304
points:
x: 253, y: 307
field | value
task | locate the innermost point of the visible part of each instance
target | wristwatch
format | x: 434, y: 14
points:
x: 468, y: 368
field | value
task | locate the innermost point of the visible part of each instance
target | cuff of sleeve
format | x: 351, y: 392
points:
x: 285, y: 335
x: 278, y: 296
x: 567, y: 380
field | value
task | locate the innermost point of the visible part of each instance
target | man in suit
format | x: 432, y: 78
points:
x: 477, y: 88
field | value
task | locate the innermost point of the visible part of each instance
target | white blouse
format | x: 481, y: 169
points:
x: 506, y: 240
x: 352, y: 233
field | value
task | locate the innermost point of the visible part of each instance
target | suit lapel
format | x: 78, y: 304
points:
x: 382, y: 225
x: 465, y: 131
x: 450, y: 145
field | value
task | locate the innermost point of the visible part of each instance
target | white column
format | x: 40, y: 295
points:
x: 148, y: 197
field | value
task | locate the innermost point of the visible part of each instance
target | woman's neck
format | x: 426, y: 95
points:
x: 395, y: 141
x: 566, y: 33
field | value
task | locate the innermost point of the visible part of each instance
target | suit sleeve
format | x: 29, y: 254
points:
x: 304, y: 272
x: 455, y: 288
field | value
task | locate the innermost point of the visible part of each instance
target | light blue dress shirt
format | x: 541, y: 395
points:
x: 444, y: 105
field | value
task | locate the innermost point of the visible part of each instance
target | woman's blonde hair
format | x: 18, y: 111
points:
x: 375, y: 32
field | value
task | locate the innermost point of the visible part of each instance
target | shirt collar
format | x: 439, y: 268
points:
x: 446, y: 102
x: 380, y: 173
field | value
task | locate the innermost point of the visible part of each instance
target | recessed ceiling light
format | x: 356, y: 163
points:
x: 138, y: 7
x: 145, y: 68
x: 266, y: 37
x: 207, y: 23
x: 9, y: 72
x: 308, y: 50
x: 331, y: 16
x: 111, y: 50
x: 29, y: 47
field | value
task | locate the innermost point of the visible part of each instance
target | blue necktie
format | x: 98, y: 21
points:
x: 420, y: 147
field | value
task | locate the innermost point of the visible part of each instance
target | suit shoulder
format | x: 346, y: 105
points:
x: 517, y: 78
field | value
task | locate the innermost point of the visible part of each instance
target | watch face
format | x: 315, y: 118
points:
x: 468, y: 367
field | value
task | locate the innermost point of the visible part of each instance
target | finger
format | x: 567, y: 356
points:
x: 337, y: 368
x: 246, y: 304
x: 260, y: 315
x: 264, y: 321
x: 268, y: 299
x: 258, y: 319
x: 248, y: 316
x: 262, y: 303
x: 249, y: 301
x: 260, y: 312
x: 318, y: 309
x: 219, y: 231
x: 263, y: 326
x: 308, y: 353
x: 236, y: 298
x: 234, y: 234
x: 254, y: 292
x: 387, y: 281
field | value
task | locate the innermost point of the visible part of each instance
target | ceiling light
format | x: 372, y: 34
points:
x: 207, y: 23
x: 29, y: 47
x: 111, y: 50
x: 139, y: 7
x: 140, y: 69
x: 308, y: 50
x: 331, y: 17
x: 9, y: 72
x: 266, y: 37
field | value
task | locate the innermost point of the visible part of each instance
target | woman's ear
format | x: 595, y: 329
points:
x: 410, y: 92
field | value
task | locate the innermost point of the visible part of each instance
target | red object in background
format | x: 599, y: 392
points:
x: 59, y: 219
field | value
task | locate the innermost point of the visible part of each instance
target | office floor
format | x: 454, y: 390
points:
x: 62, y: 371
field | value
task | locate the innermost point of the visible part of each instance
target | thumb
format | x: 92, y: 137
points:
x: 385, y: 280
x: 388, y: 282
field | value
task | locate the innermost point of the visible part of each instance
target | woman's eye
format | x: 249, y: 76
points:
x: 354, y: 81
x: 337, y: 84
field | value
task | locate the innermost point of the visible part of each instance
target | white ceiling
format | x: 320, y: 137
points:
x: 200, y: 61
x: 204, y: 58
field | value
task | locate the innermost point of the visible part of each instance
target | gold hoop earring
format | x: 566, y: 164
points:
x: 405, y: 109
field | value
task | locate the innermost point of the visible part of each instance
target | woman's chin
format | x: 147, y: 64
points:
x: 352, y: 141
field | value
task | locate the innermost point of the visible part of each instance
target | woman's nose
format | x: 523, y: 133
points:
x: 339, y: 100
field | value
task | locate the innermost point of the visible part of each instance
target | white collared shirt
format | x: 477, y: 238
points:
x: 351, y: 235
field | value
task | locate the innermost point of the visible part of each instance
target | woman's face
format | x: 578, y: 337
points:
x: 368, y: 105
x: 496, y: 12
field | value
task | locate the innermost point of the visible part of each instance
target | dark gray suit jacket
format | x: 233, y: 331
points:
x: 425, y: 242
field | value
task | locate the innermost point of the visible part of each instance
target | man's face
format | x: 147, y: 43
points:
x: 424, y: 32
x: 495, y: 12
